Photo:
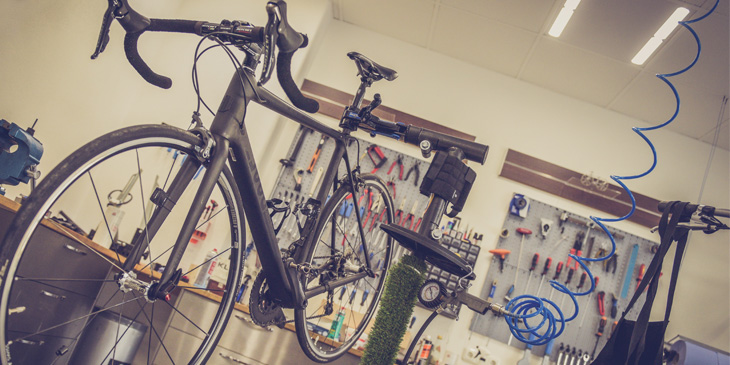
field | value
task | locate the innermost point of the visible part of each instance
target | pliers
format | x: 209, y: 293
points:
x: 411, y: 216
x: 379, y: 154
x: 399, y: 162
x: 414, y: 169
x: 577, y: 249
x: 610, y: 264
x: 398, y: 219
x: 373, y: 207
x: 391, y: 184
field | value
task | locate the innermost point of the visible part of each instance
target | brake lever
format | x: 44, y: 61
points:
x: 271, y: 36
x: 112, y: 11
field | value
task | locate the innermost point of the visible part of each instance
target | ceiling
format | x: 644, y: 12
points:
x: 591, y: 60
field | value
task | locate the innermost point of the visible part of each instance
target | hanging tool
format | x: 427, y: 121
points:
x: 391, y: 184
x: 548, y: 352
x: 371, y: 211
x: 611, y: 263
x: 317, y: 180
x: 561, y: 351
x: 502, y: 255
x: 542, y: 276
x: 298, y: 174
x: 414, y: 169
x: 493, y: 289
x: 599, y: 333
x: 576, y: 250
x: 558, y: 270
x: 411, y: 216
x: 381, y: 159
x: 642, y: 270
x: 399, y: 213
x: 630, y: 270
x: 601, y: 309
x: 545, y: 225
x: 398, y: 162
x: 582, y: 281
x: 571, y: 271
x: 317, y: 152
x: 614, y: 306
x: 364, y: 297
x: 535, y: 259
x: 524, y: 232
x: 288, y: 162
x: 528, y: 351
x: 588, y: 301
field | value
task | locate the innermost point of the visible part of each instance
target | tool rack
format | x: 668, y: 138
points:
x: 566, y: 227
x: 407, y: 194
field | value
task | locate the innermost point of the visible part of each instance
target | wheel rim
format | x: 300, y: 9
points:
x: 76, y: 328
x: 357, y: 315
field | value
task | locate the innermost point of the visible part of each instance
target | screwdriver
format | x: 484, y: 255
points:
x: 601, y: 309
x: 535, y: 259
x: 582, y: 280
x: 558, y: 270
x: 571, y: 271
x: 364, y: 297
x: 601, y: 327
x: 614, y: 306
x: 493, y: 289
x: 544, y: 271
x: 642, y: 269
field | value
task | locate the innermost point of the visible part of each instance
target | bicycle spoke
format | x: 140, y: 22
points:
x: 149, y: 343
x: 97, y: 253
x: 119, y: 338
x: 187, y: 319
x: 205, y: 262
x: 142, y: 201
x: 74, y: 320
x: 101, y: 207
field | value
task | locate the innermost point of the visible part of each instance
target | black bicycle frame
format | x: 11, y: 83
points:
x: 232, y: 144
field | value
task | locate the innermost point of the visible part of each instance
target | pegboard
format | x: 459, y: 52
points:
x: 406, y: 194
x: 406, y: 198
x: 565, y: 230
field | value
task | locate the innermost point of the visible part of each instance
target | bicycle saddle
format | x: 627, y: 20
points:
x: 370, y: 69
x: 430, y: 250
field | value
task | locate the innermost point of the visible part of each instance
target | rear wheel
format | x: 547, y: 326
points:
x: 63, y: 296
x: 333, y: 322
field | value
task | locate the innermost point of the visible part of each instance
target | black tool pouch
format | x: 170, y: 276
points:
x: 640, y: 341
x: 449, y: 178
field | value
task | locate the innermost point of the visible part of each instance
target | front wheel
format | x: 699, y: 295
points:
x: 67, y: 299
x: 334, y: 321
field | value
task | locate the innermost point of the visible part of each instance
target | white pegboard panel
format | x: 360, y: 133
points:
x: 406, y: 195
x: 558, y: 242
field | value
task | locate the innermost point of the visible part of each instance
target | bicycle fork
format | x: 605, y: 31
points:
x: 165, y: 202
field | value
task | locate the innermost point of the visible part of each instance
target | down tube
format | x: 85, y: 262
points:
x: 260, y: 223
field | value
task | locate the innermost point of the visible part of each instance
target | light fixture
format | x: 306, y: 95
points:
x: 563, y: 17
x: 664, y: 31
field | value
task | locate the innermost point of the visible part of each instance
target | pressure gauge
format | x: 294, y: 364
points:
x: 432, y: 293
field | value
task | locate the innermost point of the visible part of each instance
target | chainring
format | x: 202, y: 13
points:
x: 264, y: 312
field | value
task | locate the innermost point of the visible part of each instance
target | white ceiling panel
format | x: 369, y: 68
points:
x: 616, y: 28
x: 525, y: 14
x: 723, y: 140
x: 712, y: 70
x: 576, y: 72
x: 492, y: 45
x: 407, y: 20
x: 591, y: 61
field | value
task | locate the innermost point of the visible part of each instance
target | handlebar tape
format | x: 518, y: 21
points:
x: 156, y: 25
x: 283, y: 73
x: 473, y: 151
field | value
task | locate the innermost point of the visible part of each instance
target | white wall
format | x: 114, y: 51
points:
x: 46, y: 73
x: 506, y: 113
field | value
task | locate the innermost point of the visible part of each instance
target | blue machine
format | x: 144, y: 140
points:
x: 20, y: 154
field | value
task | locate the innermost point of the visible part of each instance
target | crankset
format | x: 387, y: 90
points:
x: 264, y: 312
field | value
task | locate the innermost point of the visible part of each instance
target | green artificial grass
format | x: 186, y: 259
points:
x: 396, y: 308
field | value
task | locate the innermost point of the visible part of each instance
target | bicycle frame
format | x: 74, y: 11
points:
x: 232, y: 144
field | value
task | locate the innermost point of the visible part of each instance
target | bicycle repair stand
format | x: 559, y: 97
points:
x: 449, y: 179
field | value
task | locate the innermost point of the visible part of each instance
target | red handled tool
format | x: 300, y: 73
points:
x: 542, y: 276
x: 535, y: 259
x: 502, y: 254
x: 601, y: 309
x: 379, y: 155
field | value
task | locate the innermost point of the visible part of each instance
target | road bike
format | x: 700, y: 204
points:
x: 186, y: 179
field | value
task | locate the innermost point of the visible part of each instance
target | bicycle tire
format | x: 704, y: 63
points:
x: 316, y: 346
x: 148, y: 145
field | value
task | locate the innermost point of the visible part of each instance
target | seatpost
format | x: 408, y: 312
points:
x: 365, y: 82
x: 436, y: 207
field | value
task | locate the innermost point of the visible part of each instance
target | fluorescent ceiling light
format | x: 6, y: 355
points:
x: 664, y: 31
x: 563, y: 17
